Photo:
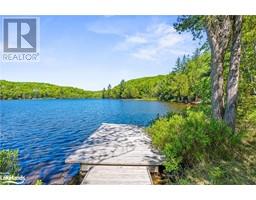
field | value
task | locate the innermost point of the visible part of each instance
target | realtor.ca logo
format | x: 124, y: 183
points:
x: 20, y: 40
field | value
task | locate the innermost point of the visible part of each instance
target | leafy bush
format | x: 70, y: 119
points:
x: 190, y: 138
x: 9, y: 162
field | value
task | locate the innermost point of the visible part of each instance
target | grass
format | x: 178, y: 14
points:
x: 241, y: 169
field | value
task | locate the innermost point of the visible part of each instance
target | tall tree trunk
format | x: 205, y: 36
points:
x: 233, y: 76
x: 218, y: 31
x: 217, y: 86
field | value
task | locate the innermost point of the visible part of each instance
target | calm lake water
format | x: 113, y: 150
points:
x: 46, y: 131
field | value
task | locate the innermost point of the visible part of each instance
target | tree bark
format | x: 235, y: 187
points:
x: 218, y: 31
x: 233, y: 76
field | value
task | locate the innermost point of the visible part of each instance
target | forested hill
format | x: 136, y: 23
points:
x: 146, y: 87
x: 29, y: 90
x: 189, y: 81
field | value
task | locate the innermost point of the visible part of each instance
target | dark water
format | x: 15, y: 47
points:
x: 46, y: 131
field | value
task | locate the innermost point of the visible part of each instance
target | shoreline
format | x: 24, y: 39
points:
x: 95, y: 98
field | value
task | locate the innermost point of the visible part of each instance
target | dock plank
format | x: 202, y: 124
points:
x: 118, y: 175
x: 117, y: 154
x: 117, y: 144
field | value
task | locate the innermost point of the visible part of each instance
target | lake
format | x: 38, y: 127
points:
x: 46, y: 131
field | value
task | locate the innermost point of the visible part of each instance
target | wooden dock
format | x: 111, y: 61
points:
x: 118, y: 175
x: 117, y: 154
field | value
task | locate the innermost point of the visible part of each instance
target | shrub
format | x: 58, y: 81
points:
x: 189, y: 138
x: 9, y: 162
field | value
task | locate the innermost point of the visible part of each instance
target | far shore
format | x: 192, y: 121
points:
x: 136, y: 99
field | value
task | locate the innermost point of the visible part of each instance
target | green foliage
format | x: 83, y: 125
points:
x: 108, y: 92
x: 191, y: 23
x: 39, y: 182
x: 30, y: 90
x: 247, y: 85
x: 199, y: 149
x: 103, y: 93
x: 9, y: 162
x: 137, y: 88
x: 247, y: 72
x: 189, y: 82
x: 190, y: 138
x: 215, y: 174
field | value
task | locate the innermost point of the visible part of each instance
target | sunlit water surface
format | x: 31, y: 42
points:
x: 46, y: 131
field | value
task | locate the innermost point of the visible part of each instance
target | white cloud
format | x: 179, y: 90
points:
x: 131, y: 41
x: 157, y: 41
x: 139, y: 39
x: 154, y: 42
x: 168, y: 40
x: 107, y: 25
x: 145, y: 53
x: 104, y: 30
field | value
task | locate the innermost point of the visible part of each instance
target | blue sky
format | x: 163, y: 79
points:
x: 90, y: 52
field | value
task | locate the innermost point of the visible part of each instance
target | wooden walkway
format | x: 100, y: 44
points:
x: 118, y: 175
x: 117, y: 154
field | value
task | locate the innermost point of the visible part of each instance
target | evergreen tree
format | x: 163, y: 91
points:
x: 108, y: 93
x: 104, y: 93
x: 122, y: 88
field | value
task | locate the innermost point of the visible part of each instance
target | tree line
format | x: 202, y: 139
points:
x: 140, y: 88
x: 29, y: 90
x: 188, y: 82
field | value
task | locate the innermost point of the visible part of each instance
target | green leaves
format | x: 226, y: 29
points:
x: 189, y: 82
x: 193, y: 23
x: 8, y: 164
x: 187, y: 139
x: 145, y: 88
x: 247, y: 85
